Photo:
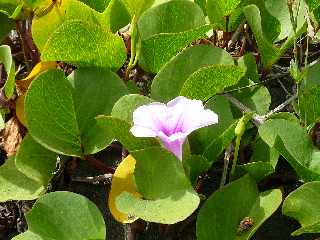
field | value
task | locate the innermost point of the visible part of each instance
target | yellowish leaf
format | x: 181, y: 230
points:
x: 122, y: 181
x: 23, y: 84
x: 20, y: 110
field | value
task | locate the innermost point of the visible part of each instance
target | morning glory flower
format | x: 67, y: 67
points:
x: 171, y: 122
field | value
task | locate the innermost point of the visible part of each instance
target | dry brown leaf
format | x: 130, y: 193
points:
x: 12, y: 136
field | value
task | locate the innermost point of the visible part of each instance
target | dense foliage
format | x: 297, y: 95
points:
x: 81, y: 87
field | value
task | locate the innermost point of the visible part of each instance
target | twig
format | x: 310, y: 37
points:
x: 259, y: 119
x: 227, y: 156
x: 100, y: 179
x: 235, y: 36
x: 99, y: 165
x: 281, y: 106
x: 244, y: 109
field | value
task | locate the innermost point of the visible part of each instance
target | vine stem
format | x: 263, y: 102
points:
x: 133, y: 52
x: 235, y: 156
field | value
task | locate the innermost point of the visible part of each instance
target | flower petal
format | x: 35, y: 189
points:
x: 174, y: 143
x: 139, y: 131
x: 150, y: 117
x: 192, y: 114
x: 195, y: 120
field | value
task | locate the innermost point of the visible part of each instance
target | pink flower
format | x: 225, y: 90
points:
x: 171, y: 122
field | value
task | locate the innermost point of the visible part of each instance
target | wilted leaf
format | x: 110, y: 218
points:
x: 12, y: 136
x: 123, y: 181
x: 24, y: 83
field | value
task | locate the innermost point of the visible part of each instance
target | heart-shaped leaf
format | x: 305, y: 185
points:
x: 60, y: 113
x: 168, y: 82
x: 64, y: 216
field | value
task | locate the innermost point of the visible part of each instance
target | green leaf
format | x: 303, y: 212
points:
x: 277, y: 26
x: 125, y: 106
x: 168, y: 82
x: 199, y: 140
x: 208, y: 81
x: 262, y: 152
x: 44, y: 26
x: 119, y: 129
x: 137, y: 7
x: 35, y: 161
x: 34, y: 4
x: 98, y: 5
x: 6, y: 59
x: 6, y: 25
x: 269, y: 53
x: 96, y: 46
x: 60, y: 113
x: 240, y: 199
x: 309, y: 105
x: 72, y: 217
x: 216, y: 147
x: 313, y: 4
x: 115, y: 16
x: 163, y: 39
x: 257, y: 170
x: 309, y: 91
x: 218, y: 10
x: 95, y: 93
x: 256, y: 98
x: 8, y: 7
x: 197, y: 165
x: 160, y: 178
x: 248, y: 62
x: 17, y: 186
x: 294, y: 144
x: 3, y: 113
x: 303, y: 205
x: 279, y: 9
